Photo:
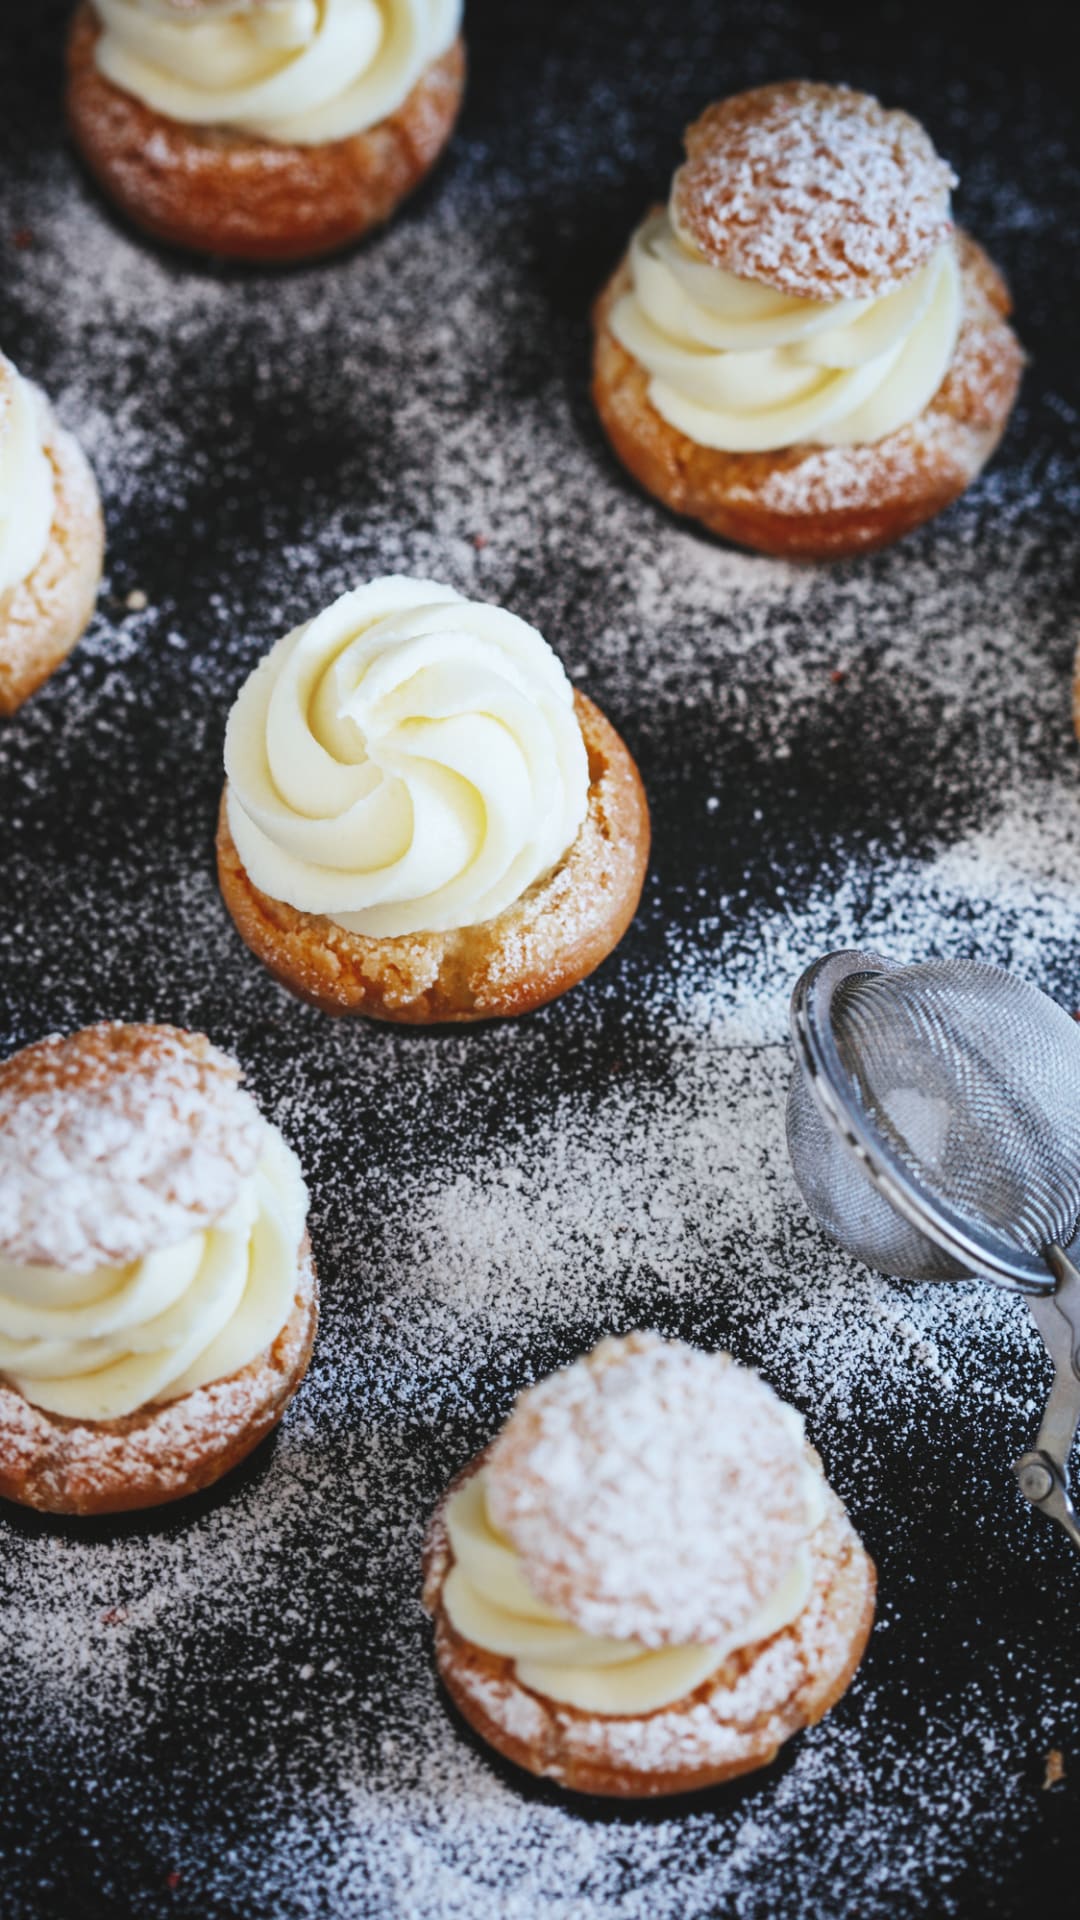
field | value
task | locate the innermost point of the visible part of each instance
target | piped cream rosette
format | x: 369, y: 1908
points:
x: 98, y: 1345
x: 409, y: 761
x: 742, y: 368
x: 302, y: 72
x: 27, y: 489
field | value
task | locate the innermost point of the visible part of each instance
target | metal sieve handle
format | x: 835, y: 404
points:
x: 1043, y: 1474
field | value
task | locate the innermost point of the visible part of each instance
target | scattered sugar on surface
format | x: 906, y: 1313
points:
x: 876, y: 754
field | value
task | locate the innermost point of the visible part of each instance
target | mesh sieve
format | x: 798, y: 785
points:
x: 934, y: 1118
x: 934, y: 1130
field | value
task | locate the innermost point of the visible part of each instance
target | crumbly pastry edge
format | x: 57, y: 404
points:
x: 235, y: 196
x: 823, y: 503
x: 159, y: 1453
x: 44, y: 616
x: 556, y: 934
x: 734, y: 1723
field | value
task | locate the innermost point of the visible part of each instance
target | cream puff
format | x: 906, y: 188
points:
x: 52, y: 539
x: 158, y: 1297
x: 646, y: 1585
x: 799, y: 350
x: 422, y: 821
x: 263, y: 129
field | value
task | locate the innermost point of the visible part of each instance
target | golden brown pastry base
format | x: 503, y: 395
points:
x: 734, y: 1723
x: 215, y: 191
x: 43, y: 616
x: 158, y: 1453
x: 558, y: 931
x: 821, y: 503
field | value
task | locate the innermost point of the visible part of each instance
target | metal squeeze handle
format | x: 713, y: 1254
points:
x: 1043, y: 1474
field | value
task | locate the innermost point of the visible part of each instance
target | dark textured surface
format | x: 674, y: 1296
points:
x: 229, y: 1711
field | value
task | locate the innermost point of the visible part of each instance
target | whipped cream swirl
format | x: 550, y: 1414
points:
x: 409, y: 761
x: 741, y: 368
x: 298, y: 71
x: 27, y: 489
x: 98, y: 1345
x: 488, y: 1601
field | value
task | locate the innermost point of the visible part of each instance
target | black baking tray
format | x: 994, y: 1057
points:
x: 229, y: 1709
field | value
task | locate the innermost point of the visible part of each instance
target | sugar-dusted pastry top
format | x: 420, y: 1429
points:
x: 654, y: 1492
x: 118, y: 1141
x: 802, y: 286
x: 817, y: 191
x: 408, y: 761
x: 303, y: 72
x: 100, y: 1345
x: 27, y: 491
x: 646, y: 1513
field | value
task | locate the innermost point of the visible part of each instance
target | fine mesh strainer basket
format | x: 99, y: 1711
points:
x: 934, y: 1130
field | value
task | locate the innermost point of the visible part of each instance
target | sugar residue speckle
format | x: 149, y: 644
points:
x: 233, y: 1709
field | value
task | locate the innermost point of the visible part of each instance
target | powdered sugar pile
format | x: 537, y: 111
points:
x: 880, y: 754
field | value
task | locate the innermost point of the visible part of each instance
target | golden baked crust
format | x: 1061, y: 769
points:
x: 814, y: 502
x: 43, y: 616
x: 818, y: 191
x: 216, y: 191
x: 557, y: 932
x: 159, y: 1453
x: 734, y: 1722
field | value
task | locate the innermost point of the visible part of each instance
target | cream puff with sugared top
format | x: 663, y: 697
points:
x: 422, y: 820
x: 800, y: 350
x: 158, y: 1297
x: 645, y: 1585
x: 52, y: 539
x: 263, y: 129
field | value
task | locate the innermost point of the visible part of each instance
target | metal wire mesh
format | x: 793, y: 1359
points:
x: 972, y: 1078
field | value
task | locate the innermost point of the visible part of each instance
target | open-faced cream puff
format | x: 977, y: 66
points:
x: 52, y: 539
x: 422, y: 820
x: 646, y: 1585
x: 263, y: 129
x: 157, y: 1294
x: 799, y: 350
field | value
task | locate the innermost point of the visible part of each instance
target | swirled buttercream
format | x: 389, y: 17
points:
x: 488, y: 1601
x: 409, y: 761
x: 27, y: 490
x: 741, y: 368
x: 98, y: 1345
x: 297, y: 71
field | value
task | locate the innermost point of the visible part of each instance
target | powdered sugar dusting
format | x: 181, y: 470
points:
x: 653, y: 1493
x: 740, y: 1714
x: 242, y: 1694
x: 817, y: 191
x: 117, y: 1141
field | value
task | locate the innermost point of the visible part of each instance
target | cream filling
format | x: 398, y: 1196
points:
x: 740, y: 368
x: 489, y: 1603
x: 27, y: 488
x: 301, y: 71
x: 408, y: 761
x: 98, y: 1345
